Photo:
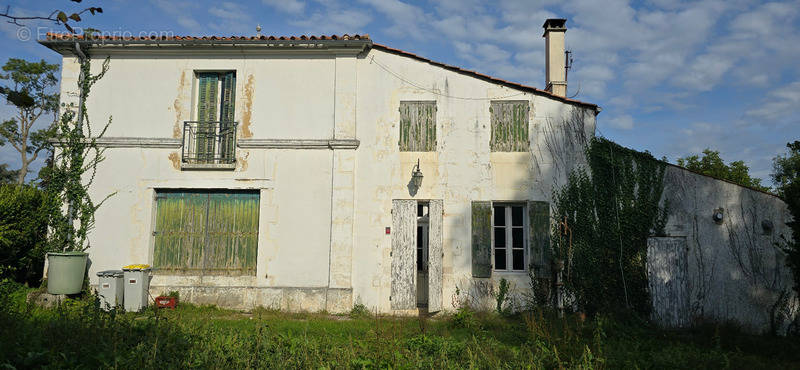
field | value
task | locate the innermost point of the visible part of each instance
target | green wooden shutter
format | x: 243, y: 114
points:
x: 405, y: 126
x: 206, y: 232
x: 227, y: 109
x: 417, y: 126
x: 232, y: 234
x: 206, y: 115
x: 481, y: 239
x: 180, y: 232
x: 509, y: 124
x: 429, y: 144
x: 539, y: 234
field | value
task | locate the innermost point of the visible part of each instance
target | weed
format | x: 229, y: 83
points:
x: 359, y: 311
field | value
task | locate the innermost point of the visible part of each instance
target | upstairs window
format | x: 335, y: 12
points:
x: 211, y: 138
x: 216, y: 96
x: 509, y: 119
x: 417, y: 126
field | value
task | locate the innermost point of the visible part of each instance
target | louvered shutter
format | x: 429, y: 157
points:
x: 227, y: 109
x: 206, y: 116
x: 481, y: 239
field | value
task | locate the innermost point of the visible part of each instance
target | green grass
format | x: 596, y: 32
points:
x: 77, y: 335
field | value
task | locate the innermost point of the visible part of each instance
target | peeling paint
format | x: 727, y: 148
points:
x: 177, y: 105
x: 247, y: 111
x: 175, y: 158
x: 241, y: 162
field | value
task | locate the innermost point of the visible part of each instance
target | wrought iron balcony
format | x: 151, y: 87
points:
x: 209, y: 144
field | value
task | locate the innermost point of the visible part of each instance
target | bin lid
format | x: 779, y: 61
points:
x: 110, y: 273
x: 137, y: 267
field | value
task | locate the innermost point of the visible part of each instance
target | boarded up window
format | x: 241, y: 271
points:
x: 417, y: 126
x: 509, y: 121
x: 206, y: 232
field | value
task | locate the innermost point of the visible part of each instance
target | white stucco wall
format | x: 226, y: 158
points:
x: 323, y: 212
x: 736, y: 270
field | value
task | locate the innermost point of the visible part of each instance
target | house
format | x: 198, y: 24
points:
x: 315, y: 173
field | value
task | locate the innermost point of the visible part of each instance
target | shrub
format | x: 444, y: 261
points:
x: 464, y: 318
x: 359, y: 311
x: 23, y: 229
x: 611, y: 208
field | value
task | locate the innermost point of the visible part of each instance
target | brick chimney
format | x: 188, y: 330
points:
x: 554, y: 58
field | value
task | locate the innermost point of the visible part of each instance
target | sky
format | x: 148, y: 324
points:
x: 672, y: 77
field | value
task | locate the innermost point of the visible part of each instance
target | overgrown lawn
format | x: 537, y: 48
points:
x: 78, y: 335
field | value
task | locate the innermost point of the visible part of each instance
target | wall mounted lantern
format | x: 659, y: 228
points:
x: 718, y: 215
x: 416, y: 176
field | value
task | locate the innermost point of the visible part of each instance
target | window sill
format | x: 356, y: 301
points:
x: 508, y: 272
x: 208, y: 166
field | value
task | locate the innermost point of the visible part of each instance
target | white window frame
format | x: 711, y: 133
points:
x: 507, y: 206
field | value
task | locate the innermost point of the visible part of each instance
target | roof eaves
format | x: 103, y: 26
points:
x: 485, y: 77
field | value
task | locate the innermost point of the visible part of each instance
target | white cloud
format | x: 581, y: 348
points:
x: 406, y: 20
x: 287, y: 6
x: 782, y: 106
x: 334, y: 18
x: 623, y: 122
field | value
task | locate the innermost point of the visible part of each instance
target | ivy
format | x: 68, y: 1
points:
x: 604, y: 214
x: 71, y: 209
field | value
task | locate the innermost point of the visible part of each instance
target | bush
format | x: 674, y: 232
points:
x: 23, y: 229
x: 464, y: 318
x: 359, y: 311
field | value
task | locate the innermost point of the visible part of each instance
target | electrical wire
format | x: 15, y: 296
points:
x: 401, y: 78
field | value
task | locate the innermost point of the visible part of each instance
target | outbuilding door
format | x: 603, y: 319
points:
x: 667, y: 273
x: 206, y: 232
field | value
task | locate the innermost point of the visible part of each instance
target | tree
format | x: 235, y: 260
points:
x: 786, y: 168
x: 58, y: 17
x: 786, y: 176
x: 28, y: 90
x: 712, y: 164
x: 7, y: 176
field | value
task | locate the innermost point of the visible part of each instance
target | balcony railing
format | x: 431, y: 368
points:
x: 209, y: 144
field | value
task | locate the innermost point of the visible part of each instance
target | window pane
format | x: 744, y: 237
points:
x: 419, y: 248
x: 518, y: 259
x: 517, y: 238
x: 499, y: 216
x: 419, y: 211
x: 516, y: 216
x: 499, y: 237
x: 500, y: 259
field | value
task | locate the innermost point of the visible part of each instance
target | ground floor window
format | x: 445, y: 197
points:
x: 206, y: 232
x: 509, y: 241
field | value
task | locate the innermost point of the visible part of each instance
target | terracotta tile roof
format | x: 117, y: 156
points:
x: 62, y: 37
x: 50, y: 36
x: 484, y: 77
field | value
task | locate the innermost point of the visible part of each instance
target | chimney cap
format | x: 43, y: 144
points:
x: 554, y: 24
